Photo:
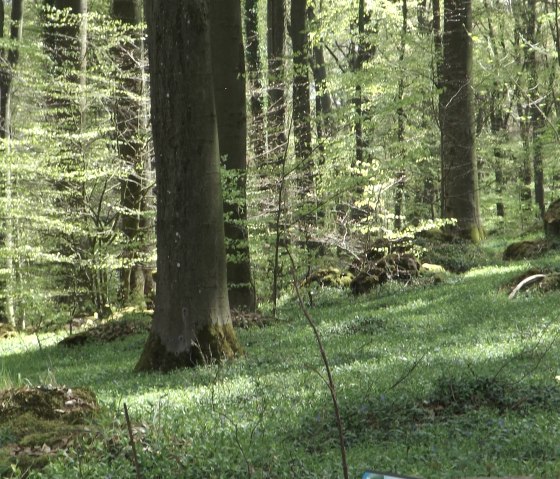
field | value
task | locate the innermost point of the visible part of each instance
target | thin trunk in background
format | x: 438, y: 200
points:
x: 9, y: 58
x: 131, y: 129
x: 228, y: 63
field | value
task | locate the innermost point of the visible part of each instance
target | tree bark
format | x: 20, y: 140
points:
x: 8, y: 61
x: 459, y: 167
x: 276, y: 38
x: 192, y: 323
x: 301, y: 101
x: 228, y: 64
x: 130, y: 124
x: 257, y: 133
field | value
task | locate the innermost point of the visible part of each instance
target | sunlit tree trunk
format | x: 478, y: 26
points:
x: 192, y: 321
x: 229, y: 90
x: 8, y: 61
x: 459, y: 167
x: 131, y: 126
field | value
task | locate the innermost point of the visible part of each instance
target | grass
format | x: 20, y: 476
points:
x: 435, y: 381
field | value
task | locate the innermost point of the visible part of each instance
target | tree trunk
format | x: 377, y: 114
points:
x: 192, y: 323
x: 301, y: 101
x: 257, y: 135
x: 228, y: 64
x: 276, y: 36
x: 323, y: 101
x: 8, y: 61
x: 130, y: 124
x: 459, y: 167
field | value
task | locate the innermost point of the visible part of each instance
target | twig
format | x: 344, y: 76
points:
x: 131, y: 438
x: 330, y: 384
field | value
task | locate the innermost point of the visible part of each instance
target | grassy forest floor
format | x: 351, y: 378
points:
x: 436, y: 380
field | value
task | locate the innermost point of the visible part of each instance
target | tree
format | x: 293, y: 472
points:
x: 228, y: 63
x: 131, y: 126
x: 459, y: 167
x: 192, y: 321
x: 8, y: 60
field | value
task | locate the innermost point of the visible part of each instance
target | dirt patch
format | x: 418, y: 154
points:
x: 109, y: 331
x: 38, y: 422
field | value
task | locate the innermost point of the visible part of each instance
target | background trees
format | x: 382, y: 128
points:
x: 352, y: 108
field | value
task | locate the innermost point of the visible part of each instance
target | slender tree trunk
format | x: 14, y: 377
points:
x: 257, y: 132
x: 459, y: 167
x: 130, y: 125
x: 276, y: 37
x: 323, y: 101
x: 8, y: 61
x: 401, y: 119
x: 300, y: 94
x: 229, y: 90
x: 536, y: 116
x: 192, y: 321
x: 358, y: 63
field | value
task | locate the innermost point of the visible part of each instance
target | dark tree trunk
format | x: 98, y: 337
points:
x: 192, y: 322
x: 459, y: 167
x: 8, y: 61
x: 323, y: 101
x: 276, y: 37
x: 228, y: 64
x: 357, y: 65
x: 130, y: 125
x: 257, y: 135
x: 536, y: 116
x: 300, y: 94
x: 401, y: 120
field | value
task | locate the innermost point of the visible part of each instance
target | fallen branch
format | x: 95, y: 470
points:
x: 526, y: 282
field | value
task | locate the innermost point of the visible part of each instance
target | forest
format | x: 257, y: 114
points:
x: 281, y: 238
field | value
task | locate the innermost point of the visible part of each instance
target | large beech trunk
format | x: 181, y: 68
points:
x: 192, y: 321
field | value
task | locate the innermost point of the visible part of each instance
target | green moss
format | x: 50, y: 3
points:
x: 214, y: 343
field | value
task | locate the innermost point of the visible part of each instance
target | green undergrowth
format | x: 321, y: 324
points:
x: 441, y: 380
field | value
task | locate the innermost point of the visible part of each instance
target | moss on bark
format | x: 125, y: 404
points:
x: 214, y: 343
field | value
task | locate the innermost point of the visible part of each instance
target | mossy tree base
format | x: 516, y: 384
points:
x: 214, y: 343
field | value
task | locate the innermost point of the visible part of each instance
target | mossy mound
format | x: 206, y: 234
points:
x: 552, y: 220
x: 401, y: 267
x: 37, y: 422
x: 110, y: 331
x: 330, y: 277
x: 7, y: 331
x: 526, y: 249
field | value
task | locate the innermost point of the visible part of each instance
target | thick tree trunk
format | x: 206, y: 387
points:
x: 8, y: 61
x: 130, y: 124
x: 228, y: 64
x: 459, y: 167
x: 192, y: 321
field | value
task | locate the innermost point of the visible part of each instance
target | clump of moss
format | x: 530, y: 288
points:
x: 214, y: 343
x: 36, y: 422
